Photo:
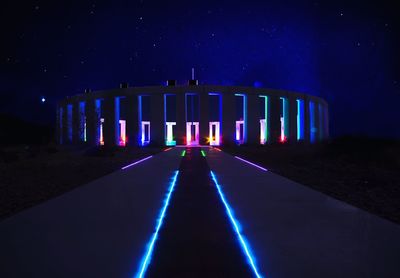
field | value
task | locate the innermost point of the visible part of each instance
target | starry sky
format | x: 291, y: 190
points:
x: 344, y: 51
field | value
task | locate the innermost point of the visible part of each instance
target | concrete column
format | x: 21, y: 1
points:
x: 228, y: 119
x: 75, y: 123
x: 307, y: 127
x: 65, y: 124
x: 253, y: 119
x: 132, y: 120
x: 157, y: 125
x: 110, y: 131
x: 317, y: 122
x: 326, y: 122
x: 204, y: 127
x: 91, y: 119
x: 59, y: 138
x: 292, y: 137
x: 180, y: 128
x: 274, y: 118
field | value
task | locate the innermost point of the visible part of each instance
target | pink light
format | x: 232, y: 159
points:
x: 136, y: 162
x: 251, y: 163
x: 167, y: 149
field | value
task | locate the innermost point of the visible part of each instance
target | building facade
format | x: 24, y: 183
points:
x: 191, y: 115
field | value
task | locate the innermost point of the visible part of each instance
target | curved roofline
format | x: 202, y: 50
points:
x: 193, y: 88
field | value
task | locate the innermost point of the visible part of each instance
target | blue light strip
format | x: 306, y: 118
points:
x: 146, y: 260
x: 235, y: 224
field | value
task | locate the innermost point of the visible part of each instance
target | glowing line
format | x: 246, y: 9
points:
x: 146, y: 260
x: 183, y: 153
x: 251, y: 163
x: 167, y: 149
x: 203, y: 153
x: 235, y: 225
x: 136, y: 162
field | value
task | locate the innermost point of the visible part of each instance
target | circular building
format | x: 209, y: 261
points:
x: 191, y: 114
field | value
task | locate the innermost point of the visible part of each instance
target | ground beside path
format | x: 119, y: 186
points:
x: 295, y: 231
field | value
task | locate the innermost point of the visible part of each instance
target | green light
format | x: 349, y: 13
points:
x: 183, y: 153
x: 203, y: 153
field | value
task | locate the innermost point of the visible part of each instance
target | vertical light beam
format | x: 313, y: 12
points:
x: 236, y: 228
x: 146, y: 259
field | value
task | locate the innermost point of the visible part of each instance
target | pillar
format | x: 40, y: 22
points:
x: 65, y: 124
x: 204, y: 104
x: 307, y: 127
x: 157, y: 121
x: 132, y: 120
x: 180, y: 128
x: 75, y: 123
x: 59, y: 117
x: 316, y: 122
x: 274, y: 118
x: 110, y: 131
x: 292, y: 119
x: 228, y: 119
x: 253, y: 119
x: 326, y: 122
x: 91, y: 122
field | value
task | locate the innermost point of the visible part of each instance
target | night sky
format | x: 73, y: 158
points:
x: 344, y: 51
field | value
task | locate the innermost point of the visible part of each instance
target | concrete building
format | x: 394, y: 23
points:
x: 191, y: 115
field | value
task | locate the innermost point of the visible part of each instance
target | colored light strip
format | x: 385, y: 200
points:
x: 183, y: 153
x: 167, y: 149
x: 236, y: 225
x: 251, y: 163
x: 136, y: 162
x: 146, y: 260
x: 203, y: 153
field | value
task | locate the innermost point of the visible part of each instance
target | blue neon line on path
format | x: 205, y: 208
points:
x: 146, y: 260
x: 236, y: 228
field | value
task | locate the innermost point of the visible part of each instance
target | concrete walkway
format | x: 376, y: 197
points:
x: 102, y: 229
x: 297, y: 232
x: 97, y: 230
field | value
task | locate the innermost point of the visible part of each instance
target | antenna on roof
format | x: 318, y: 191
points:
x: 192, y: 73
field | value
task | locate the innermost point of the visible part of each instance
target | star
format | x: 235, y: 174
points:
x: 341, y: 13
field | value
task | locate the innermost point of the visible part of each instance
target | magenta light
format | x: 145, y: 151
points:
x: 136, y: 162
x: 251, y: 163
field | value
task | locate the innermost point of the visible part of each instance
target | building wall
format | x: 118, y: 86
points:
x: 315, y: 122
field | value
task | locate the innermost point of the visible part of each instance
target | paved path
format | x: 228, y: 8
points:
x: 295, y: 231
x: 97, y: 230
x: 197, y: 239
x: 103, y: 229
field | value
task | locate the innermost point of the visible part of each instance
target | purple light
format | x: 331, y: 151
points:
x: 251, y: 163
x: 136, y: 162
